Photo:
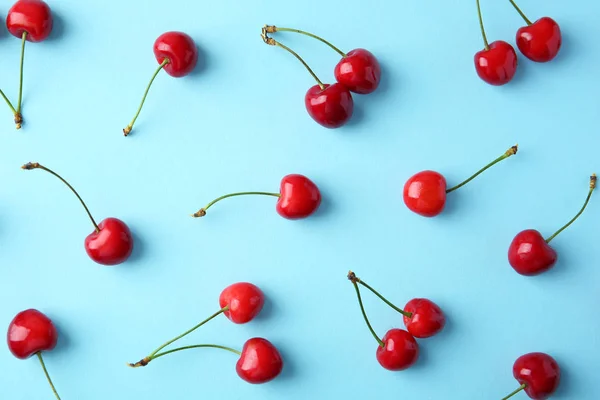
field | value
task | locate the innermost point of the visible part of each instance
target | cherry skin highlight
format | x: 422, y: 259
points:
x: 111, y: 245
x: 31, y: 332
x: 400, y: 352
x: 180, y: 51
x: 498, y: 64
x: 331, y: 106
x: 425, y: 193
x: 244, y: 301
x: 299, y: 197
x: 539, y: 372
x: 32, y: 17
x: 427, y: 318
x: 529, y: 254
x: 359, y: 71
x: 260, y: 361
x: 540, y: 41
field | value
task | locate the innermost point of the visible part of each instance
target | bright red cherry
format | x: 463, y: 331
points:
x: 30, y: 19
x: 425, y: 192
x: 243, y: 301
x: 298, y: 197
x: 329, y: 105
x: 423, y: 318
x: 111, y: 242
x: 530, y: 254
x: 538, y: 374
x: 177, y: 54
x: 359, y: 71
x: 260, y: 361
x: 399, y: 352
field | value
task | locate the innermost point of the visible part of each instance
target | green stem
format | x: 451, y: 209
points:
x: 485, y: 41
x: 202, y: 211
x: 34, y: 165
x: 386, y: 301
x: 129, y: 127
x: 12, y: 108
x: 23, y: 40
x: 39, y: 355
x: 198, y: 346
x: 523, y: 386
x: 587, y: 199
x: 508, y: 153
x: 520, y: 12
x: 278, y: 29
x: 362, y: 309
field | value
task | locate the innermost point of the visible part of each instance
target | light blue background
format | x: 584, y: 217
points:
x: 239, y: 123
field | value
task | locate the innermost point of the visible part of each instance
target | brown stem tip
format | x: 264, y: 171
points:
x: 200, y: 213
x: 126, y: 130
x: 30, y: 166
x: 513, y: 150
x: 265, y: 37
x: 142, y: 363
x: 593, y: 180
x: 352, y: 277
x: 18, y: 120
x: 269, y: 29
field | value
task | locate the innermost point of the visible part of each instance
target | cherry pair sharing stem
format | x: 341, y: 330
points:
x: 177, y: 54
x: 31, y: 333
x: 530, y: 254
x: 398, y: 349
x: 30, y: 21
x: 538, y: 374
x: 298, y: 198
x: 111, y: 243
x: 425, y: 192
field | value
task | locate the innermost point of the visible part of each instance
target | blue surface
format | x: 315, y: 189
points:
x: 239, y: 123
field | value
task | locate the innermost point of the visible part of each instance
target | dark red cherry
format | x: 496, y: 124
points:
x: 260, y: 361
x: 359, y: 71
x: 331, y: 106
x: 244, y: 301
x: 32, y: 17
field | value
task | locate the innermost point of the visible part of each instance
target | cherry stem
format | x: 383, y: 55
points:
x: 39, y: 355
x: 18, y: 117
x: 273, y: 29
x: 197, y: 346
x: 485, y: 41
x: 34, y: 165
x: 129, y: 127
x: 508, y: 153
x: 202, y: 212
x: 352, y: 278
x: 272, y: 42
x: 521, y: 13
x: 523, y: 386
x: 587, y: 199
x: 12, y: 108
x: 386, y: 301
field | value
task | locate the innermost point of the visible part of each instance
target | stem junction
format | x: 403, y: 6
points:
x: 273, y: 29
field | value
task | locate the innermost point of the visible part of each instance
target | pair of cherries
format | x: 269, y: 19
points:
x: 540, y: 41
x: 30, y: 21
x: 259, y: 361
x: 331, y: 105
x: 398, y: 349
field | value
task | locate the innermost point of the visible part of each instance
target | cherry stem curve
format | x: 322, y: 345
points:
x: 198, y: 346
x: 39, y: 355
x: 512, y: 151
x: 485, y: 41
x: 272, y: 42
x: 127, y: 130
x: 352, y: 278
x: 202, y: 212
x: 273, y: 29
x: 587, y: 199
x: 34, y: 165
x: 522, y: 387
x: 521, y: 13
x: 18, y: 116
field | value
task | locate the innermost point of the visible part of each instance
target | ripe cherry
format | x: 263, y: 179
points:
x: 30, y: 333
x: 496, y: 64
x: 539, y: 41
x: 260, y: 361
x: 28, y: 20
x: 358, y: 70
x: 111, y: 242
x: 538, y: 374
x: 298, y: 197
x: 425, y: 192
x: 329, y: 105
x: 177, y: 54
x: 530, y: 254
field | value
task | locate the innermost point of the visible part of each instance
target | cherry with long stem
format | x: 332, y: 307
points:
x: 39, y: 355
x: 522, y: 387
x: 521, y: 13
x: 202, y: 211
x: 273, y: 29
x: 508, y: 153
x: 128, y: 128
x: 18, y: 115
x: 352, y: 278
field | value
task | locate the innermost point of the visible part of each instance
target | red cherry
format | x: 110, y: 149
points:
x: 330, y: 105
x: 111, y: 242
x: 538, y: 374
x: 32, y: 17
x: 400, y: 350
x: 29, y: 333
x: 299, y: 197
x: 359, y: 71
x: 243, y: 302
x: 496, y: 64
x: 260, y: 361
x: 180, y: 51
x: 426, y: 318
x: 541, y: 40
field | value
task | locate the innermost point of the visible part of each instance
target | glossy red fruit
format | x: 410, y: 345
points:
x: 426, y: 320
x: 29, y: 333
x: 31, y: 16
x: 181, y: 51
x: 529, y: 254
x: 359, y: 71
x: 112, y: 245
x: 299, y: 197
x: 540, y: 372
x: 260, y: 361
x: 425, y: 193
x: 400, y: 352
x: 331, y: 107
x: 244, y: 300
x: 498, y: 64
x: 541, y: 40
